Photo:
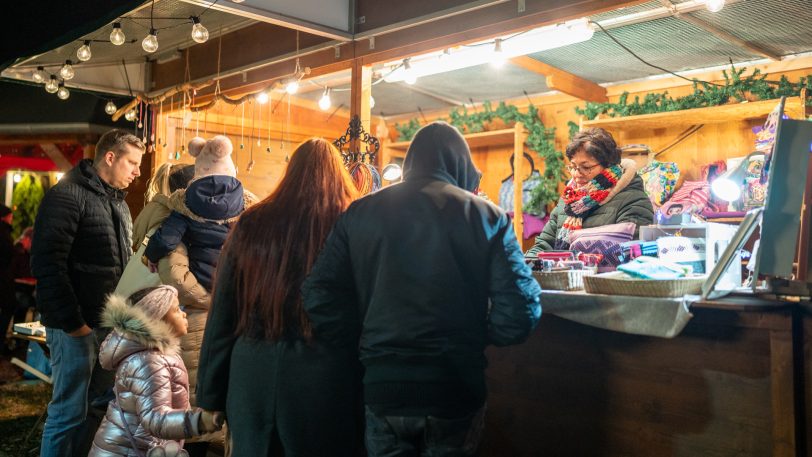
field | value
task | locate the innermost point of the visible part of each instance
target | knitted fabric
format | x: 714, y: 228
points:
x: 157, y: 303
x: 580, y: 202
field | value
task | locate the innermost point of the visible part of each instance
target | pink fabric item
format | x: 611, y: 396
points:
x: 531, y: 225
x: 605, y: 240
x: 691, y: 197
x: 157, y: 303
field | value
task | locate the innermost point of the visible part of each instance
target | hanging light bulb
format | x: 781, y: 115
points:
x: 292, y: 87
x: 324, y: 101
x: 408, y: 75
x: 110, y: 108
x: 130, y: 115
x: 51, y: 86
x: 39, y: 75
x: 262, y: 98
x: 445, y: 55
x: 714, y: 6
x: 150, y: 43
x: 371, y: 102
x: 83, y: 53
x: 62, y: 92
x: 199, y: 33
x: 117, y: 36
x: 498, y: 60
x: 66, y: 72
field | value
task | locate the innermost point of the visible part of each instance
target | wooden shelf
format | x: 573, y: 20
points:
x: 475, y: 140
x: 710, y: 115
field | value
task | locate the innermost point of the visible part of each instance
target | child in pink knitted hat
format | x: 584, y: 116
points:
x: 151, y: 411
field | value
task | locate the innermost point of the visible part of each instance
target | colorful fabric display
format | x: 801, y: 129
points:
x: 531, y: 225
x: 755, y: 191
x: 659, y: 180
x: 692, y: 197
x: 653, y: 268
x: 683, y: 250
x: 581, y: 201
x: 708, y: 173
x: 633, y: 249
x: 506, y: 194
x: 605, y: 240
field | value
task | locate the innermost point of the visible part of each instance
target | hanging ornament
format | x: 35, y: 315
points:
x: 117, y: 36
x: 177, y: 155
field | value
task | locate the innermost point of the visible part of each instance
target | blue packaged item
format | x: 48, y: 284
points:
x: 652, y: 268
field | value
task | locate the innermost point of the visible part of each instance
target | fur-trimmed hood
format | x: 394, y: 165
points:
x: 133, y: 331
x: 216, y: 199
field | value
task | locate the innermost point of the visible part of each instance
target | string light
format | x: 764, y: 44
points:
x: 408, y: 75
x: 83, y: 53
x: 62, y: 92
x: 117, y: 35
x: 150, y: 43
x: 199, y: 33
x: 66, y: 72
x: 262, y: 98
x: 51, y: 86
x: 714, y: 6
x: 130, y: 115
x: 371, y: 102
x: 292, y: 87
x: 39, y: 75
x: 498, y: 56
x: 324, y: 101
x: 110, y: 108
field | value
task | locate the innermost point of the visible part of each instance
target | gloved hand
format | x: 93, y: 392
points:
x: 211, y: 421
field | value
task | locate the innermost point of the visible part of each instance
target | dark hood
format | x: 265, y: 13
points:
x: 85, y: 174
x: 215, y: 197
x: 439, y: 151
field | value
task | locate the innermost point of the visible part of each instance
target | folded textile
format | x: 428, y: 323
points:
x: 652, y: 268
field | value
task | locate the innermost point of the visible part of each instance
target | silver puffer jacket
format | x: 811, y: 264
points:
x: 152, y: 387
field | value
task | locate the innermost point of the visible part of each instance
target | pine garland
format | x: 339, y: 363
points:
x: 737, y: 87
x: 539, y: 139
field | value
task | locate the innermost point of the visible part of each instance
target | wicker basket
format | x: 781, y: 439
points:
x: 617, y: 283
x: 562, y: 280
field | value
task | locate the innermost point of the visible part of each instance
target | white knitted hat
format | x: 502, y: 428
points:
x: 212, y: 157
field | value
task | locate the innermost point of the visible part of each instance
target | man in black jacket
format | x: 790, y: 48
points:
x: 424, y: 274
x: 82, y: 242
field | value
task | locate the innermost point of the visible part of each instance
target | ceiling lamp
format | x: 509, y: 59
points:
x: 39, y: 75
x: 714, y: 6
x: 324, y: 101
x: 535, y: 40
x: 199, y: 33
x: 51, y: 86
x: 117, y: 36
x: 499, y: 59
x: 262, y: 98
x: 83, y: 53
x: 62, y: 92
x: 150, y: 43
x: 66, y: 72
x: 110, y: 108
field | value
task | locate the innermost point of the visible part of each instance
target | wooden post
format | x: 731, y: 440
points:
x: 361, y: 89
x: 518, y: 179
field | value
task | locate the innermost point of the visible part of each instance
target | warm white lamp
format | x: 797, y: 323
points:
x: 392, y: 172
x: 728, y: 186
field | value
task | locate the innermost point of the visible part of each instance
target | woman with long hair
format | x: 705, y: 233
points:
x: 283, y: 392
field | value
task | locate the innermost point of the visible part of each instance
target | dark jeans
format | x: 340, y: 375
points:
x: 425, y: 436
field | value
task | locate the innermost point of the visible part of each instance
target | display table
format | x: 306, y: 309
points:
x: 730, y: 383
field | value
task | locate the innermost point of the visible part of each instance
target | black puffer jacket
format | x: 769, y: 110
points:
x: 411, y: 269
x: 82, y: 242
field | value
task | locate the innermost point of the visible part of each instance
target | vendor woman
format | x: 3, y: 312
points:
x: 603, y: 190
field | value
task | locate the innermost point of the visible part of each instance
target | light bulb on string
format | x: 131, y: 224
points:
x: 292, y: 87
x: 110, y: 108
x: 714, y: 6
x: 39, y: 75
x: 62, y: 92
x: 445, y: 54
x: 324, y: 101
x: 83, y: 53
x: 199, y: 33
x: 262, y: 98
x: 371, y: 102
x: 499, y: 59
x: 117, y: 35
x: 150, y: 43
x: 52, y: 86
x: 66, y: 72
x: 130, y: 115
x: 408, y: 75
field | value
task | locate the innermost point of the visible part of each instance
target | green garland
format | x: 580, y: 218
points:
x: 539, y: 139
x: 737, y: 86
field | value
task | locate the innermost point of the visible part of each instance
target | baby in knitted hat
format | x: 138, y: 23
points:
x: 203, y: 213
x: 151, y: 386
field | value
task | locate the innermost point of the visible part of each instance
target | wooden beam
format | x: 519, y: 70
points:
x: 562, y: 81
x: 360, y: 90
x: 755, y: 49
x: 55, y: 154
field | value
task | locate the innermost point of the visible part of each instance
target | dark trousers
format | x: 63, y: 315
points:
x: 424, y: 436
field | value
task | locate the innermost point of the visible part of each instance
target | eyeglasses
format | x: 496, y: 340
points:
x: 582, y: 169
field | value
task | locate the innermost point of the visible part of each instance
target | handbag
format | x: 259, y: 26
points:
x: 136, y: 275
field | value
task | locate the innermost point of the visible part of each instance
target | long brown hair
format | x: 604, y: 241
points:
x: 276, y: 242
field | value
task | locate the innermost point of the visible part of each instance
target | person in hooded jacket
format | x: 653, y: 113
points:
x: 422, y: 276
x: 604, y: 190
x: 82, y: 243
x: 203, y: 213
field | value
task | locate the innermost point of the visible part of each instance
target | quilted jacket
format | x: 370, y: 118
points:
x: 151, y: 386
x: 82, y: 242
